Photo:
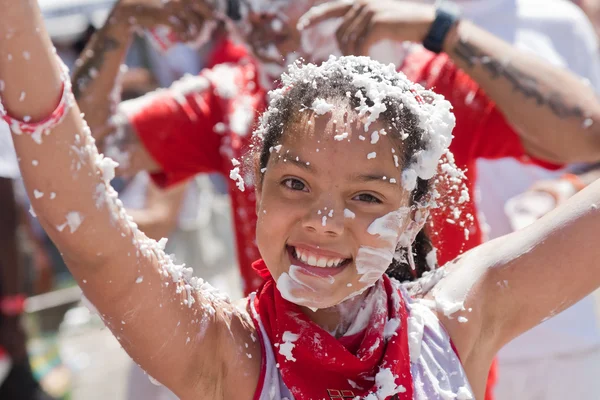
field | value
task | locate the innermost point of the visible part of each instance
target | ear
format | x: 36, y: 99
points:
x: 258, y: 180
x: 418, y: 218
x: 258, y: 195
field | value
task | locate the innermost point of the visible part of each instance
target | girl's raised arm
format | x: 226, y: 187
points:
x: 511, y: 284
x: 175, y: 327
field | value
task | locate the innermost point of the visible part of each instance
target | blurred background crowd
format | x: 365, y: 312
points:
x: 65, y: 348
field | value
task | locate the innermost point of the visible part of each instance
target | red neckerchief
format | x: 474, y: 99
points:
x: 323, y: 367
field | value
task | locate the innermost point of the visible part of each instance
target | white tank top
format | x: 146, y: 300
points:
x: 436, y: 369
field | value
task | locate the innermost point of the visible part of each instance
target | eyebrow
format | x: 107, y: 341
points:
x: 374, y: 177
x: 288, y: 158
x: 371, y: 178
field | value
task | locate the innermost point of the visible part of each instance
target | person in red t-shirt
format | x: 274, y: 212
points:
x: 222, y: 104
x: 188, y: 129
x: 181, y: 135
x: 468, y: 53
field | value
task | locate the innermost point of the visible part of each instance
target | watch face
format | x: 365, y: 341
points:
x: 446, y: 15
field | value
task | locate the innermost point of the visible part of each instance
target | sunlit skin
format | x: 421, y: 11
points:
x: 311, y: 175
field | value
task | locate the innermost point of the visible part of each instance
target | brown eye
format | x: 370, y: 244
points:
x: 367, y: 198
x: 294, y: 184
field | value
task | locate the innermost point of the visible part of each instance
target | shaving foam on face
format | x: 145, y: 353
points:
x: 290, y: 283
x: 372, y: 262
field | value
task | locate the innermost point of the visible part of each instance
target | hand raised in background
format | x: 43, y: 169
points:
x: 366, y: 22
x: 184, y: 17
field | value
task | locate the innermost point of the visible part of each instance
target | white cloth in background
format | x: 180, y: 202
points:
x: 576, y: 374
x: 437, y: 372
x: 171, y: 65
x: 559, y: 32
x: 9, y: 167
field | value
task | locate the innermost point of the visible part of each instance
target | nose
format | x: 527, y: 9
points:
x: 324, y: 219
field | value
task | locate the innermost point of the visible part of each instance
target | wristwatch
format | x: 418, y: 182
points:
x: 446, y: 15
x: 233, y: 10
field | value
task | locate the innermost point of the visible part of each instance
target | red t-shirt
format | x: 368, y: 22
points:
x: 481, y: 132
x: 201, y: 123
x: 200, y: 126
x: 191, y: 132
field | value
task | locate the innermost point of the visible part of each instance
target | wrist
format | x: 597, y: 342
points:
x: 444, y: 24
x: 452, y: 37
x: 576, y: 182
x: 425, y: 26
x: 122, y: 17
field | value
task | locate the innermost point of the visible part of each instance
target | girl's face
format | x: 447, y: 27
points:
x: 331, y: 208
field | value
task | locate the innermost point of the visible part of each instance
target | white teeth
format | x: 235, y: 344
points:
x: 315, y: 260
x: 303, y: 257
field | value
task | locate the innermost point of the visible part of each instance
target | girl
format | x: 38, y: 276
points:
x: 331, y: 322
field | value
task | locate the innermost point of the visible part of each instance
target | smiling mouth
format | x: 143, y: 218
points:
x: 316, y: 264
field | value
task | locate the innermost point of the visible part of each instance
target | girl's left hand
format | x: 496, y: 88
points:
x: 366, y: 22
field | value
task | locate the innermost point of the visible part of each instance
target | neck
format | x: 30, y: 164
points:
x: 353, y: 313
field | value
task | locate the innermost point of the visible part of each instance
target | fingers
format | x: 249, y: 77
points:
x: 343, y: 34
x: 195, y: 23
x: 186, y: 23
x: 202, y: 9
x: 323, y: 12
x: 364, y: 33
x: 354, y: 31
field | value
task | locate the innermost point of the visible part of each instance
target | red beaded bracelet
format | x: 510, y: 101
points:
x: 577, y: 183
x: 12, y: 305
x: 36, y: 129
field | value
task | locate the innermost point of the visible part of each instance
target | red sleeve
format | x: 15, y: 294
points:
x: 226, y: 50
x: 177, y: 127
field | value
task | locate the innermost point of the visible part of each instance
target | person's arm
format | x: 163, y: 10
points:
x: 541, y: 101
x: 158, y: 218
x: 96, y: 74
x: 178, y: 329
x: 172, y: 133
x: 507, y: 286
x: 97, y: 71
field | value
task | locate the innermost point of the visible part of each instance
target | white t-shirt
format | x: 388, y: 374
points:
x: 9, y: 167
x: 559, y: 32
x: 436, y: 370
